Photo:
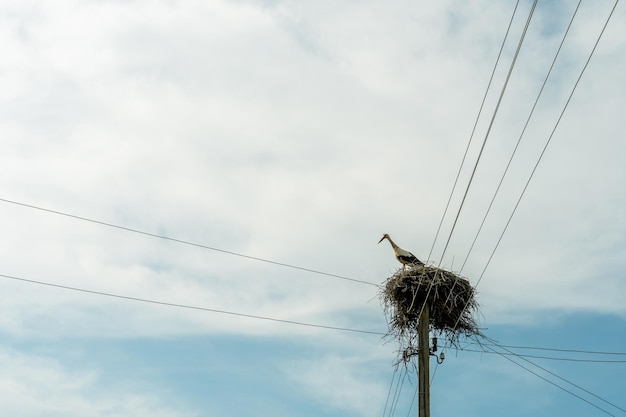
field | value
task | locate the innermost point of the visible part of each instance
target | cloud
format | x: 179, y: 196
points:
x: 341, y: 382
x: 35, y: 385
x: 299, y: 133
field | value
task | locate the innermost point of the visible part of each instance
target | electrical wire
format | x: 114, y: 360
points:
x: 593, y: 352
x: 493, y: 117
x: 458, y: 174
x: 552, y: 383
x: 548, y: 141
x: 467, y: 149
x: 495, y: 112
x: 297, y: 267
x: 532, y: 110
x: 482, y: 148
x: 184, y: 242
x: 564, y: 380
x: 521, y: 355
x: 393, y: 377
x: 398, y: 385
x: 408, y: 413
x: 400, y: 382
x: 522, y: 194
x: 525, y: 187
x: 396, y: 396
x: 186, y: 306
x: 542, y: 152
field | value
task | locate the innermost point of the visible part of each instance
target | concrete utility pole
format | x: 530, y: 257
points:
x: 423, y: 358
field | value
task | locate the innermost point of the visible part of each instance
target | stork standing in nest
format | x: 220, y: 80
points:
x: 403, y: 256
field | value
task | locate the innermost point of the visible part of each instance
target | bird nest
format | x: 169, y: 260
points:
x: 450, y: 299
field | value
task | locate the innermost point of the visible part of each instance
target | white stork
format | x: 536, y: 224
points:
x: 403, y: 256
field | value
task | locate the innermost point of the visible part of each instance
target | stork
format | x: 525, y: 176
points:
x: 403, y: 256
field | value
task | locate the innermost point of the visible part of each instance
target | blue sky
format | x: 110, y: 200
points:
x: 300, y: 132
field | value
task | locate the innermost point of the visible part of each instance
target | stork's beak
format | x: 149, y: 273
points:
x: 381, y: 239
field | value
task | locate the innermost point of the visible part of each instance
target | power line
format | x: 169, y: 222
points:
x: 484, y: 141
x: 393, y: 377
x: 548, y: 141
x: 458, y: 174
x: 398, y: 386
x: 467, y: 149
x: 324, y: 326
x: 594, y: 352
x: 589, y: 352
x: 400, y: 382
x: 408, y: 413
x: 532, y: 110
x: 493, y: 117
x: 521, y: 355
x: 531, y: 175
x: 184, y: 242
x: 211, y: 310
x: 169, y: 304
x: 565, y: 380
x: 552, y: 382
x: 506, y: 81
x: 544, y: 149
x: 396, y: 396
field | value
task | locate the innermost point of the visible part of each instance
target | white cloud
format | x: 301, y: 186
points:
x: 298, y: 132
x: 40, y: 386
x: 301, y: 133
x: 342, y: 382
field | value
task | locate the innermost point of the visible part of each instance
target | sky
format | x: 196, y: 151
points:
x: 299, y: 132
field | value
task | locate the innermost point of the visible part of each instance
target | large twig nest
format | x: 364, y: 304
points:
x: 450, y: 298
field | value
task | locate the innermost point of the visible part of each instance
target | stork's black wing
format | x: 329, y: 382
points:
x: 410, y: 259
